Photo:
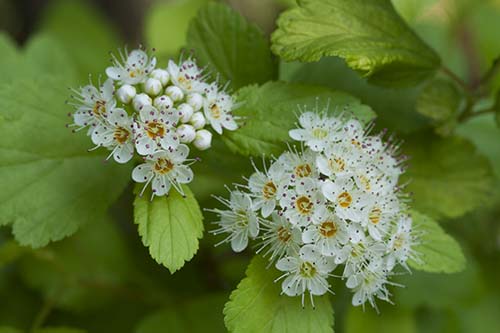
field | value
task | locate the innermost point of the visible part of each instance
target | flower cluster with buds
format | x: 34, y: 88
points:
x: 334, y: 202
x: 154, y: 113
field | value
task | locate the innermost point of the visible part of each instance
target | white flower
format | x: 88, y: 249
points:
x: 116, y: 134
x: 240, y: 221
x: 164, y: 169
x: 126, y: 93
x: 299, y: 165
x: 186, y: 76
x: 317, y: 131
x: 131, y: 68
x: 328, y: 234
x: 197, y: 120
x: 267, y: 187
x: 356, y: 255
x: 306, y: 272
x: 161, y: 75
x: 140, y: 101
x: 186, y: 112
x: 378, y: 214
x: 369, y: 283
x: 154, y: 130
x: 279, y: 238
x: 348, y: 200
x: 153, y: 87
x: 401, y: 243
x: 163, y: 103
x: 186, y: 133
x: 93, y: 105
x: 203, y: 139
x: 302, y: 205
x: 175, y: 93
x: 195, y: 100
x: 338, y: 160
x: 217, y: 108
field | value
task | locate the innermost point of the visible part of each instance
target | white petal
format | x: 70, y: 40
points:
x: 318, y: 286
x: 124, y: 153
x: 108, y: 89
x: 160, y: 185
x: 268, y: 208
x: 114, y: 73
x: 358, y: 298
x: 239, y: 242
x: 309, y: 235
x: 287, y: 264
x: 297, y: 134
x: 145, y: 145
x: 142, y: 173
x: 291, y: 286
x: 184, y: 174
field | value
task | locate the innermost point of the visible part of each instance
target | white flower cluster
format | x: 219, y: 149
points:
x: 155, y: 112
x: 335, y: 202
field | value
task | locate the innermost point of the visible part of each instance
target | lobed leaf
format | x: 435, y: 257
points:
x: 370, y: 35
x: 257, y: 305
x: 170, y: 226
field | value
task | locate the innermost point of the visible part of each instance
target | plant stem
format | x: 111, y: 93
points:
x: 43, y: 314
x: 455, y: 78
x: 467, y: 115
x: 490, y: 74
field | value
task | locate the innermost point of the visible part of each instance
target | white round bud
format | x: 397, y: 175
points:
x: 198, y: 120
x: 126, y: 93
x: 186, y: 133
x: 163, y: 103
x: 196, y: 101
x: 161, y: 75
x: 203, y: 139
x: 140, y: 101
x: 186, y: 111
x: 152, y: 87
x: 175, y: 93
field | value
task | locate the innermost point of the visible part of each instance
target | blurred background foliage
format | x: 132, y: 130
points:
x: 102, y: 279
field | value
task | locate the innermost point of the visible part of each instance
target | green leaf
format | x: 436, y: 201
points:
x: 270, y: 111
x: 230, y: 46
x: 201, y: 314
x: 448, y: 177
x: 86, y: 271
x: 390, y: 320
x: 258, y: 306
x: 369, y: 34
x: 167, y: 24
x: 50, y: 183
x: 86, y: 35
x: 437, y: 251
x: 59, y: 329
x: 170, y: 226
x: 439, y: 100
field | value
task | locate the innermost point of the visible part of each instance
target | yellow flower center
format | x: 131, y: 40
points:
x: 375, y: 215
x: 344, y: 199
x: 336, y: 164
x: 303, y: 170
x: 269, y: 190
x: 121, y: 134
x: 214, y: 109
x: 284, y: 234
x: 307, y: 270
x: 155, y: 130
x: 328, y: 229
x: 304, y: 205
x: 99, y: 108
x: 319, y: 133
x: 163, y: 166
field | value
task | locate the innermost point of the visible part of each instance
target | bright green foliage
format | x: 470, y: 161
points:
x: 271, y: 110
x: 440, y: 100
x: 258, y: 306
x: 448, y: 177
x: 201, y: 314
x: 437, y: 251
x: 83, y: 272
x: 230, y: 46
x: 84, y: 33
x: 49, y: 187
x: 170, y: 226
x: 392, y: 319
x: 369, y: 34
x: 167, y: 24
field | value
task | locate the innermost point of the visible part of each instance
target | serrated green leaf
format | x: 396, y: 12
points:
x: 166, y: 24
x: 86, y: 271
x: 258, y: 306
x: 371, y: 37
x: 448, y: 177
x: 170, y: 226
x: 230, y: 46
x: 437, y: 251
x: 86, y: 35
x: 270, y: 111
x: 439, y: 100
x: 389, y: 320
x: 50, y: 183
x: 201, y: 314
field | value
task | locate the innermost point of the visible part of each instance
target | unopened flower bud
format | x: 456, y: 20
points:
x: 203, y: 139
x: 175, y: 93
x: 140, y: 101
x: 163, y: 103
x: 186, y: 111
x: 126, y: 93
x: 195, y: 100
x: 198, y: 120
x: 186, y: 133
x: 153, y: 87
x: 161, y: 75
